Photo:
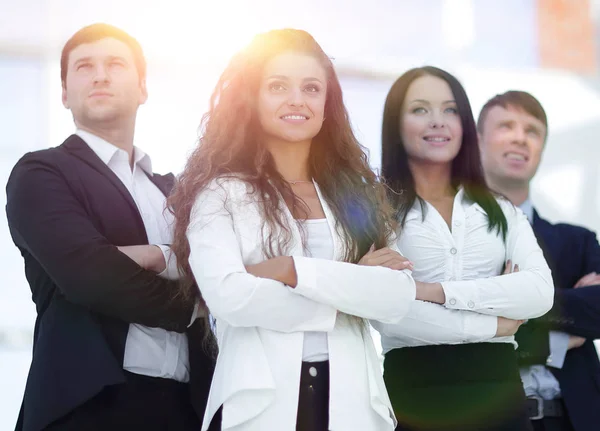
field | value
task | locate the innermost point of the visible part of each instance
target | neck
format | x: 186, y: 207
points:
x: 516, y: 192
x: 432, y: 181
x: 291, y: 159
x: 121, y: 137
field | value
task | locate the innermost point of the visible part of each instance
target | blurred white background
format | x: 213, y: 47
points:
x: 491, y: 46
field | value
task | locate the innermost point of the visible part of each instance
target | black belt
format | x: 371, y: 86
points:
x: 537, y: 408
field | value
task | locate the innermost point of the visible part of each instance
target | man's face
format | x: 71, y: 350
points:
x: 511, y: 143
x: 102, y: 84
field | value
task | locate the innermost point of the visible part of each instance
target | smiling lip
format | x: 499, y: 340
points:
x: 516, y: 158
x: 295, y: 118
x: 436, y: 140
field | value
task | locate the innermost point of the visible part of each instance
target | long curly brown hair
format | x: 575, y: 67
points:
x: 230, y: 146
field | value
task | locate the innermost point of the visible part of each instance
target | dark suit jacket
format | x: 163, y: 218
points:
x: 572, y: 252
x: 67, y: 213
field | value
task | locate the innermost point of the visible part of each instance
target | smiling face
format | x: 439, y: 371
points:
x: 430, y: 126
x: 291, y: 98
x: 511, y: 143
x: 102, y: 84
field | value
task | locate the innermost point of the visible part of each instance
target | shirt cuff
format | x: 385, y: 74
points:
x: 171, y: 271
x: 559, y: 345
x: 461, y: 295
x: 306, y: 275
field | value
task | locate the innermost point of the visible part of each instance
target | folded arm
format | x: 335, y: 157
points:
x: 47, y: 221
x: 231, y: 293
x: 525, y: 294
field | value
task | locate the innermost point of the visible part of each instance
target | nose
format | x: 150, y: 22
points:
x: 296, y: 98
x: 101, y: 75
x: 520, y: 136
x: 436, y: 121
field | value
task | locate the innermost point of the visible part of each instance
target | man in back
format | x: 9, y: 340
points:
x: 560, y: 367
x: 115, y: 347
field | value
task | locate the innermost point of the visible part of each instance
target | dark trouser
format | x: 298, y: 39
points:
x: 552, y: 424
x: 469, y: 387
x: 560, y: 422
x: 313, y: 403
x: 143, y: 403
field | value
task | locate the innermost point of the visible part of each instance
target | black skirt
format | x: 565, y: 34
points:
x: 468, y: 387
x: 313, y: 402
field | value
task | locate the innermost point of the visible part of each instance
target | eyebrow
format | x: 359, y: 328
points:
x: 428, y: 102
x: 286, y: 78
x: 110, y: 58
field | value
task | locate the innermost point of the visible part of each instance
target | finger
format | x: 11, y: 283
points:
x: 390, y: 260
x: 507, y: 267
x: 585, y: 280
x: 516, y: 268
x: 399, y: 266
x: 378, y: 258
x: 383, y: 251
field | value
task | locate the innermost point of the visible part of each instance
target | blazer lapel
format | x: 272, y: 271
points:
x: 164, y: 183
x: 78, y: 148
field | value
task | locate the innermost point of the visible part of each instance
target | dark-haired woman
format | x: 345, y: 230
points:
x: 286, y: 231
x: 450, y: 364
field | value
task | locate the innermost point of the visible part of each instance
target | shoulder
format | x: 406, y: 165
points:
x: 507, y: 207
x: 231, y: 185
x: 33, y: 164
x: 227, y: 191
x: 563, y: 228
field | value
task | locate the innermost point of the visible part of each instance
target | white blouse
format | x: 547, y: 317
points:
x: 319, y: 244
x: 468, y: 261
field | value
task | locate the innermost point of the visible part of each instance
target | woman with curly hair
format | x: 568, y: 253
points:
x: 285, y: 229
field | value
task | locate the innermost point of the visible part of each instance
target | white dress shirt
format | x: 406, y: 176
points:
x: 468, y: 261
x: 319, y: 244
x: 537, y: 379
x: 152, y: 352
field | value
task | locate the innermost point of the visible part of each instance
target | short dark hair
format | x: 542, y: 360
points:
x: 96, y: 32
x: 518, y: 99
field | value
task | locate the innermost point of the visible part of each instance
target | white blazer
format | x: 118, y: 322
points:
x: 260, y: 322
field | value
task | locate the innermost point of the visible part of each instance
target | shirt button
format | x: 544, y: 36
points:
x: 452, y: 250
x: 452, y: 301
x: 549, y: 360
x: 312, y: 371
x: 471, y: 304
x: 457, y: 223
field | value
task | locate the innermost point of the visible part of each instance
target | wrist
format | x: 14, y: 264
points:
x: 288, y: 274
x: 430, y: 292
x: 157, y: 259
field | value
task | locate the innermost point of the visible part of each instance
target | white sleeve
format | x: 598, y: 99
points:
x: 427, y: 324
x: 371, y: 292
x: 526, y: 294
x: 232, y: 294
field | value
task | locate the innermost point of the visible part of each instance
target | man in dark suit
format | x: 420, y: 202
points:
x: 560, y: 367
x: 115, y: 345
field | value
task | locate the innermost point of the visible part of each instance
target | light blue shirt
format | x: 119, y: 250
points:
x: 537, y: 379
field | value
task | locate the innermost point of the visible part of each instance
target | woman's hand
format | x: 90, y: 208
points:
x: 387, y: 258
x: 279, y: 268
x: 509, y: 268
x: 507, y: 327
x: 149, y: 257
